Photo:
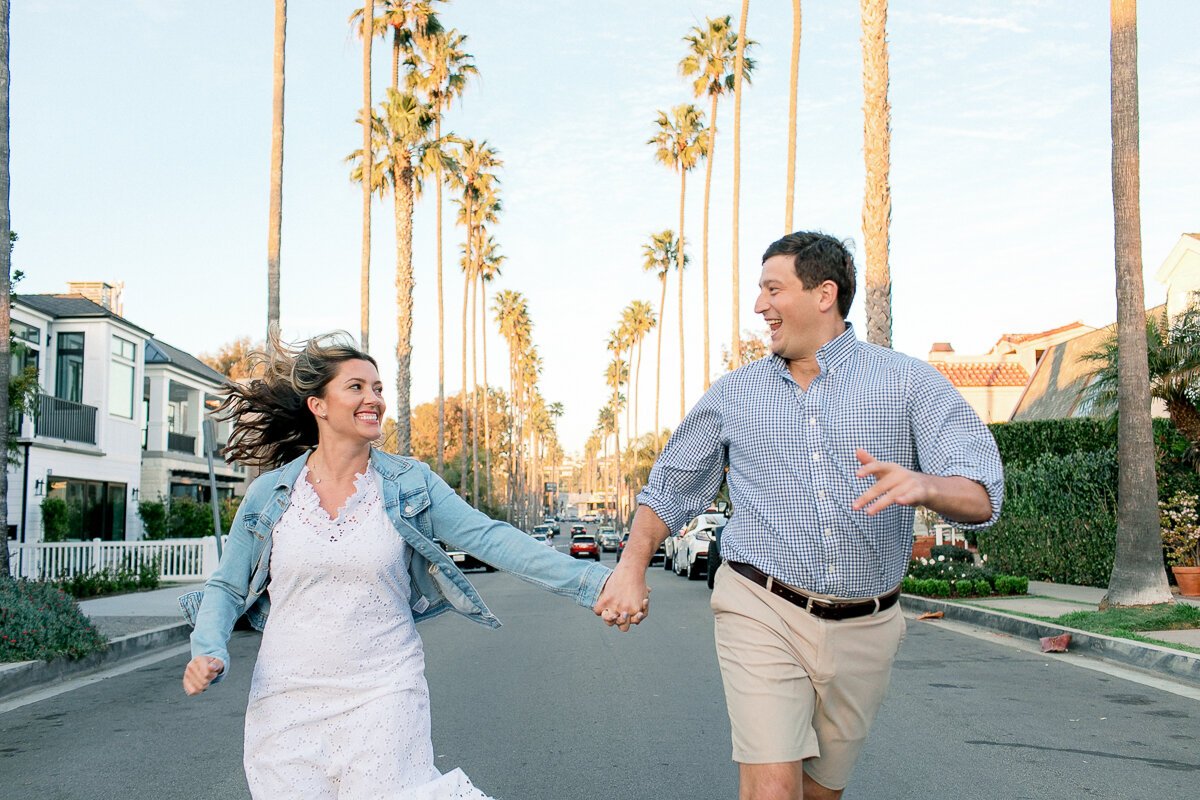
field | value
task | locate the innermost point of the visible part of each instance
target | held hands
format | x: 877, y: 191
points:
x: 200, y: 672
x: 624, y: 600
x: 893, y: 485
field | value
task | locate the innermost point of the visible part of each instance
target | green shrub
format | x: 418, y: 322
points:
x: 229, y: 507
x: 154, y: 518
x: 1012, y: 584
x: 37, y: 621
x: 933, y: 587
x: 948, y: 570
x: 951, y: 553
x: 1026, y: 442
x: 965, y: 588
x: 187, y: 519
x: 982, y: 587
x: 112, y: 581
x: 56, y: 523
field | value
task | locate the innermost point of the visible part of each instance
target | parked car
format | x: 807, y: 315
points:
x: 589, y: 517
x: 552, y: 523
x: 659, y: 554
x: 464, y: 560
x: 690, y: 554
x: 584, y: 546
x: 544, y: 530
x: 543, y: 538
x: 608, y: 539
x: 714, y: 554
x: 577, y: 529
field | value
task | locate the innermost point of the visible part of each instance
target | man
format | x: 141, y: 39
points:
x: 830, y: 443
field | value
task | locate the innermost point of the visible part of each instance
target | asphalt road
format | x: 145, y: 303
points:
x: 555, y: 706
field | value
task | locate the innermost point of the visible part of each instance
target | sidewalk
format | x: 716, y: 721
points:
x: 1055, y: 599
x: 134, y: 624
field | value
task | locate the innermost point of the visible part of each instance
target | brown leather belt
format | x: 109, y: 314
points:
x: 818, y: 607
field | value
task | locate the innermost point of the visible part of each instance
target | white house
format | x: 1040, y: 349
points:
x: 118, y: 418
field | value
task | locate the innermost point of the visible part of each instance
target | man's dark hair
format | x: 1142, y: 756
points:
x: 819, y: 257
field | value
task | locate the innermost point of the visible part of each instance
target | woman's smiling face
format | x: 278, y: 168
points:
x: 352, y: 405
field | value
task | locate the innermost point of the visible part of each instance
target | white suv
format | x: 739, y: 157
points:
x: 691, y: 545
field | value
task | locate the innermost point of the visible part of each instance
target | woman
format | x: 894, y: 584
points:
x: 344, y: 536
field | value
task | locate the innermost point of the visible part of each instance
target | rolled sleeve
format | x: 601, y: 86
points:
x: 689, y: 471
x: 951, y: 440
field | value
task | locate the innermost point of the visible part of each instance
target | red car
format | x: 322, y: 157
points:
x: 584, y: 546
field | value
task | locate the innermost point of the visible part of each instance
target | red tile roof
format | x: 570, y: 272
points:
x: 983, y: 373
x: 1018, y: 338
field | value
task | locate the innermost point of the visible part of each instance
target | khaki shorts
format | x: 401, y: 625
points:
x: 799, y: 688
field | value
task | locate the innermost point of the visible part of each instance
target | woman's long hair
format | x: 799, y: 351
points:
x: 272, y: 423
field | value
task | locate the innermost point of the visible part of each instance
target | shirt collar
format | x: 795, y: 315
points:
x: 829, y: 356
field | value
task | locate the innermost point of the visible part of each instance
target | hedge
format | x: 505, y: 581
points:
x: 37, y: 621
x: 1059, y: 519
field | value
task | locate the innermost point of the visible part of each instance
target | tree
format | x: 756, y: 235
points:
x: 792, y: 101
x: 367, y: 32
x: 658, y: 256
x: 638, y: 320
x: 490, y: 262
x: 441, y: 74
x: 681, y: 141
x: 235, y: 359
x: 1138, y: 576
x: 6, y: 235
x: 877, y: 199
x: 738, y: 70
x: 753, y: 346
x: 712, y: 51
x: 407, y: 20
x: 275, y: 210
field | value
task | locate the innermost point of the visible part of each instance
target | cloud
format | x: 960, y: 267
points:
x: 992, y: 23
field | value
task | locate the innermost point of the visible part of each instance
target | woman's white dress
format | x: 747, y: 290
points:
x: 339, y: 706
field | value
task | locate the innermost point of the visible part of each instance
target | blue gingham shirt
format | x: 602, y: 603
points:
x: 790, y: 454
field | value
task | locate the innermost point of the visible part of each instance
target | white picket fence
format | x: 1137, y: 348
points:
x: 178, y: 559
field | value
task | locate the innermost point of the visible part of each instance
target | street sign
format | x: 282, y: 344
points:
x: 551, y: 487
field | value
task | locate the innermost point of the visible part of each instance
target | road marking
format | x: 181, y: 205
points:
x: 1073, y: 659
x: 38, y: 695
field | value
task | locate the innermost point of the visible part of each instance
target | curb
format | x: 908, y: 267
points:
x: 1150, y: 657
x: 25, y: 675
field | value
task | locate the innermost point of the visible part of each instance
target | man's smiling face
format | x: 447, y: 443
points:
x: 792, y: 313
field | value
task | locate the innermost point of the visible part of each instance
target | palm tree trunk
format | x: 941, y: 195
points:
x: 404, y: 304
x: 5, y: 279
x: 662, y: 309
x: 792, y: 101
x: 474, y: 401
x: 487, y: 426
x: 364, y: 283
x: 1186, y: 418
x: 637, y: 391
x: 617, y: 447
x: 1138, y: 576
x: 275, y: 210
x: 735, y: 346
x: 877, y: 200
x: 679, y: 268
x: 708, y: 168
x: 462, y: 479
x: 441, y: 310
x: 396, y: 58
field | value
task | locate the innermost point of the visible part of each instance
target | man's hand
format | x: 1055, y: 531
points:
x: 625, y: 598
x: 200, y: 673
x: 893, y: 485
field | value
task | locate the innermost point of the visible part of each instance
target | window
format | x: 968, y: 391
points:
x: 68, y: 373
x: 95, y: 509
x: 26, y: 333
x: 121, y: 375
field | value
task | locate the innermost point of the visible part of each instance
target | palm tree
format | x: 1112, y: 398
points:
x: 710, y: 61
x: 662, y: 251
x: 1138, y: 576
x: 441, y: 74
x: 275, y: 210
x: 408, y: 21
x: 512, y: 317
x: 616, y: 375
x: 5, y: 274
x: 792, y: 101
x: 877, y: 200
x: 407, y: 122
x: 490, y: 261
x: 681, y: 141
x: 366, y: 30
x: 638, y: 320
x: 735, y: 346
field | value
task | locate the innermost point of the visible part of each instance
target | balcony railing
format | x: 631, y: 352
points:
x: 181, y: 443
x: 63, y: 419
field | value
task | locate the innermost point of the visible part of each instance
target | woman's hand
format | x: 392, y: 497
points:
x: 200, y: 673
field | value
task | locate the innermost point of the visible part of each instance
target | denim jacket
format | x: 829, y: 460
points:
x: 421, y: 507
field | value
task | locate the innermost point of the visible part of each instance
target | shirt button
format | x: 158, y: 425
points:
x: 831, y: 567
x: 408, y: 509
x: 812, y: 420
x: 829, y: 531
x: 817, y: 456
x: 821, y: 493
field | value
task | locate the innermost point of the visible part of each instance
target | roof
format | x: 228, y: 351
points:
x: 982, y: 373
x: 70, y: 306
x: 1058, y: 381
x: 1020, y: 338
x: 158, y: 352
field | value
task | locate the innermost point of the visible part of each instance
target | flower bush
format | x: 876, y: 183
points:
x: 1179, y: 517
x: 37, y: 621
x: 943, y: 577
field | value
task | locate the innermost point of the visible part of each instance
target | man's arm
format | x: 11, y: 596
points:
x: 956, y: 498
x: 623, y: 599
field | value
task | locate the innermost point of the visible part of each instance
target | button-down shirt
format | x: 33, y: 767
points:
x: 790, y: 454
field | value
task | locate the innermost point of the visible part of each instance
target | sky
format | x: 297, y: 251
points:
x: 141, y: 143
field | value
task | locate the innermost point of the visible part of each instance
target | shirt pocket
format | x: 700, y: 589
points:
x: 414, y: 508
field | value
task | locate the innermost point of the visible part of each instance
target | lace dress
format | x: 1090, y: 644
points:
x: 339, y: 706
